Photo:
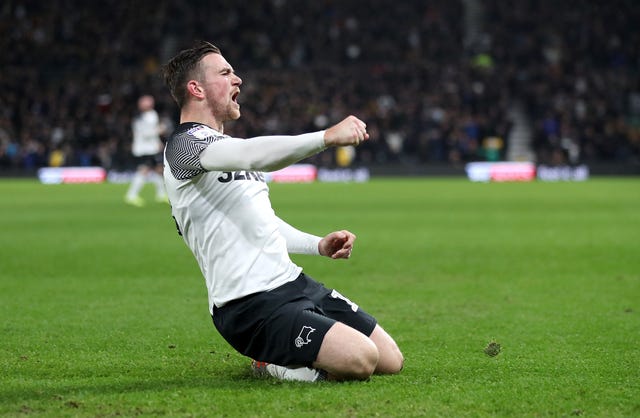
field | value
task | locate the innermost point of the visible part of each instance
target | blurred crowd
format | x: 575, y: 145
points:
x: 436, y: 81
x: 577, y: 67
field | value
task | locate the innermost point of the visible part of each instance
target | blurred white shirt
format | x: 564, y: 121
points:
x: 146, y: 134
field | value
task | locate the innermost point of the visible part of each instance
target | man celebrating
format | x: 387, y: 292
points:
x: 260, y: 301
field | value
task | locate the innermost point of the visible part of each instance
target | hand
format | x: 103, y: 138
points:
x: 337, y: 244
x: 351, y: 131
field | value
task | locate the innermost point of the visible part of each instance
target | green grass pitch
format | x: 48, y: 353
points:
x: 103, y: 311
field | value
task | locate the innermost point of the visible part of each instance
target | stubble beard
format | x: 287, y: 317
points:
x: 226, y: 113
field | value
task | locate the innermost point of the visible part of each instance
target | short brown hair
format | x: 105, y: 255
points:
x: 182, y: 67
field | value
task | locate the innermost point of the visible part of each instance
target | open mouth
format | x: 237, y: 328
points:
x: 234, y: 97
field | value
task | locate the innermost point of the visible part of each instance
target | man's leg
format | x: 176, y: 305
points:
x: 390, y: 359
x: 137, y: 183
x: 347, y: 354
x: 156, y: 177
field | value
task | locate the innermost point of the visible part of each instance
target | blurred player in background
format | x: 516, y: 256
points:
x: 260, y: 301
x: 147, y: 151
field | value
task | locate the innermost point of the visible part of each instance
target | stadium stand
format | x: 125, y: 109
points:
x: 438, y: 82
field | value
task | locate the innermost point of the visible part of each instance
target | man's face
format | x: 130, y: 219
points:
x: 221, y: 86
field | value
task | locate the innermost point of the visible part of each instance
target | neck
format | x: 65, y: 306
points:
x: 190, y: 115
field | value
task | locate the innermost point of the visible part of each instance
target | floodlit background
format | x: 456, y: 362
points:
x: 440, y: 83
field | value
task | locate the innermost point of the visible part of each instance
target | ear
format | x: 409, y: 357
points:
x: 195, y: 89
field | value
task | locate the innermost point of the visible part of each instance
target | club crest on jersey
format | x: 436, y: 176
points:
x: 303, y: 337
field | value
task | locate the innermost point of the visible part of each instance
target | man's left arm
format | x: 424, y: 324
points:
x: 298, y: 242
x: 338, y: 244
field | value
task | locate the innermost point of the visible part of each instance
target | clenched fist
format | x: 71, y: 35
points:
x: 351, y: 131
x: 337, y: 244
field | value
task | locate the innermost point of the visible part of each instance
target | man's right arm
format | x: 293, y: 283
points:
x: 263, y: 153
x: 270, y: 153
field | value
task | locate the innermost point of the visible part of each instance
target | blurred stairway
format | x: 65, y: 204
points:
x: 520, y: 137
x: 473, y: 22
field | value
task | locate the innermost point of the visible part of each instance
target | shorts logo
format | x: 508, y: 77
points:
x: 303, y: 337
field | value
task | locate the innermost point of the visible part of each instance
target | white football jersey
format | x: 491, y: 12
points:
x: 146, y: 134
x: 226, y: 219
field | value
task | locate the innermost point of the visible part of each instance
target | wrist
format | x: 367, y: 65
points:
x: 325, y: 142
x: 319, y: 247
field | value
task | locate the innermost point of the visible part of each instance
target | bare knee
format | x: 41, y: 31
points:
x: 363, y: 363
x: 391, y: 360
x: 347, y: 354
x: 394, y: 363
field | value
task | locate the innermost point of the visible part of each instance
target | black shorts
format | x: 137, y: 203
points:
x: 151, y: 161
x: 286, y: 325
